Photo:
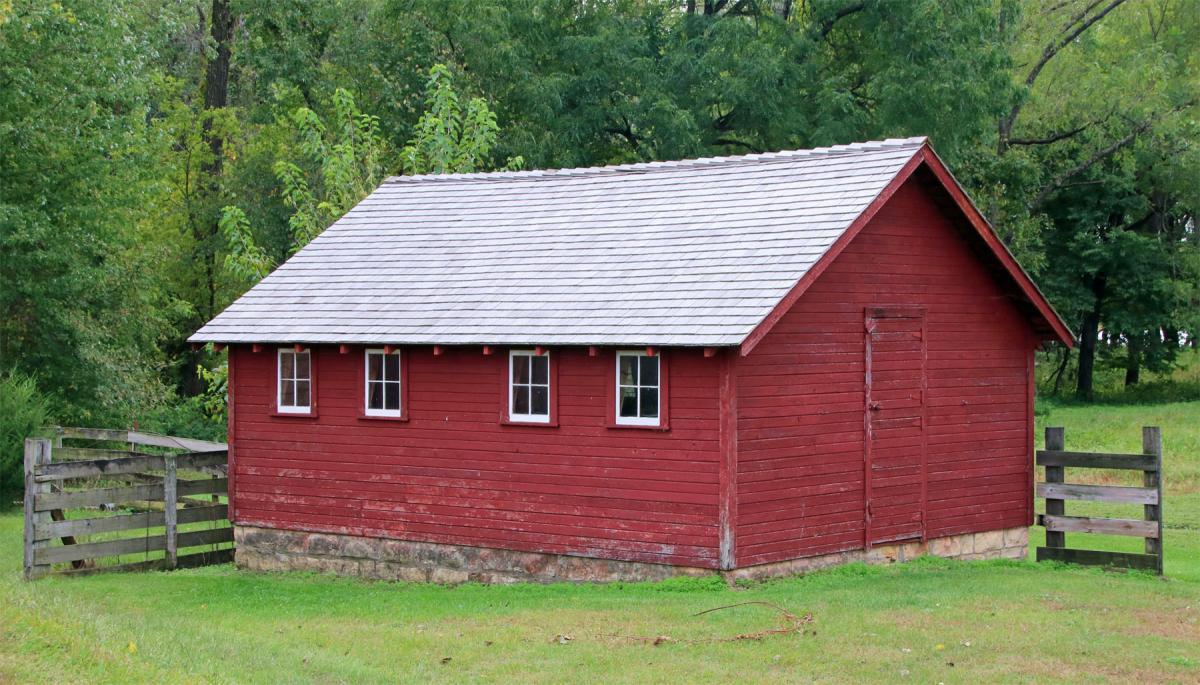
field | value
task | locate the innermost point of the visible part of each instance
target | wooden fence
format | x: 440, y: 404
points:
x: 1056, y: 491
x: 160, y: 482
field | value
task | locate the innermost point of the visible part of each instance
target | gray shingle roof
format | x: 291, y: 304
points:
x: 665, y: 253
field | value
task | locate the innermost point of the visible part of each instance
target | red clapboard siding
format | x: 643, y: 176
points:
x: 453, y: 473
x: 801, y: 394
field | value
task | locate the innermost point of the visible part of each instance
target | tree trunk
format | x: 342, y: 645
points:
x: 216, y: 76
x: 216, y: 96
x: 1133, y: 363
x: 205, y: 229
x: 1088, y: 334
x: 1061, y: 371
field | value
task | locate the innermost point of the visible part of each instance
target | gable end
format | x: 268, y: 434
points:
x: 954, y: 201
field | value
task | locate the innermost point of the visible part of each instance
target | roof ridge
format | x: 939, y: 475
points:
x: 637, y: 167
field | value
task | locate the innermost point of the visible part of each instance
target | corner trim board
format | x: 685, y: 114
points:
x: 727, y: 470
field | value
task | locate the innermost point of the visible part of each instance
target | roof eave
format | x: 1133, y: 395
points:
x: 202, y: 339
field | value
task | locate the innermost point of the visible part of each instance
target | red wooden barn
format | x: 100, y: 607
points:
x: 758, y: 364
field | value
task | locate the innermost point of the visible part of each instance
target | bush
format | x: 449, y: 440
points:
x: 186, y: 417
x: 23, y: 412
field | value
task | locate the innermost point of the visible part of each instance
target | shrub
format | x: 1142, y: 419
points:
x: 185, y: 417
x: 23, y: 412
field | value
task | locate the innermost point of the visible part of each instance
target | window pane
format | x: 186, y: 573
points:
x: 374, y: 362
x: 374, y: 395
x: 541, y: 400
x: 649, y: 403
x: 391, y: 367
x: 649, y: 371
x: 628, y: 373
x: 541, y: 369
x: 302, y: 399
x: 520, y: 395
x: 287, y: 365
x: 629, y: 402
x: 391, y: 392
x: 520, y: 371
x: 302, y: 366
x: 287, y: 393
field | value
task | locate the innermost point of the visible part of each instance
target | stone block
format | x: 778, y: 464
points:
x: 394, y: 550
x: 496, y: 578
x: 321, y: 544
x: 390, y: 570
x: 260, y: 538
x: 535, y: 564
x: 448, y: 576
x: 362, y: 548
x: 574, y: 569
x: 1016, y: 537
x: 989, y: 541
x: 950, y: 546
x: 883, y: 554
x: 911, y: 550
x: 1014, y: 553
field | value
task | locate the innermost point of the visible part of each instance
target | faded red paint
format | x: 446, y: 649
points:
x: 801, y: 394
x: 763, y: 457
x: 455, y: 473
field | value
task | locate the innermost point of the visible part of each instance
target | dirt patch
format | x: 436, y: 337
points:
x: 1182, y: 623
x: 1051, y: 670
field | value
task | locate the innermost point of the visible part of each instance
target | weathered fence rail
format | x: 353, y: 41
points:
x: 1055, y: 458
x: 155, y: 499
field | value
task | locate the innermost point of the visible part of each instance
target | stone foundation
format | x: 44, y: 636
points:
x: 268, y: 549
x: 1011, y: 543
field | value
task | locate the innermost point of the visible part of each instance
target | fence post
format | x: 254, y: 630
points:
x: 170, y: 509
x: 1055, y: 440
x: 1152, y: 445
x: 37, y: 453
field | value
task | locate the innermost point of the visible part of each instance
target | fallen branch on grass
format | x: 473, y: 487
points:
x: 795, y: 624
x: 790, y: 624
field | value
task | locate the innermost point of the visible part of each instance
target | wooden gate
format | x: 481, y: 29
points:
x: 1056, y: 491
x: 894, y: 424
x: 81, y: 503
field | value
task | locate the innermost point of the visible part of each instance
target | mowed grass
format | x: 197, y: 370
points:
x: 927, y: 621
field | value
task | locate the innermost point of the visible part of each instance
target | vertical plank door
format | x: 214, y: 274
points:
x: 894, y: 450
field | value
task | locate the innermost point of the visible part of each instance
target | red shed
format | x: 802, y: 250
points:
x: 757, y: 364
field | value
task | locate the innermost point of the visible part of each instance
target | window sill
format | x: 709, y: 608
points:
x: 662, y: 428
x: 294, y: 415
x: 402, y: 418
x: 553, y: 423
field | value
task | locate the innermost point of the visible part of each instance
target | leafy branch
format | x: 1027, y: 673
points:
x: 449, y: 138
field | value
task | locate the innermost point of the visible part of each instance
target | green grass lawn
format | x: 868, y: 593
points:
x: 928, y: 621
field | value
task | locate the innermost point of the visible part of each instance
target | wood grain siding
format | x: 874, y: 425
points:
x: 453, y: 473
x: 801, y: 392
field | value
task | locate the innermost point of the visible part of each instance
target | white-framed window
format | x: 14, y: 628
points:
x: 528, y: 386
x: 382, y: 383
x: 638, y: 386
x: 294, y: 395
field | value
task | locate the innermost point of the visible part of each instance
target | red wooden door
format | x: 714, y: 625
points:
x: 894, y: 441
